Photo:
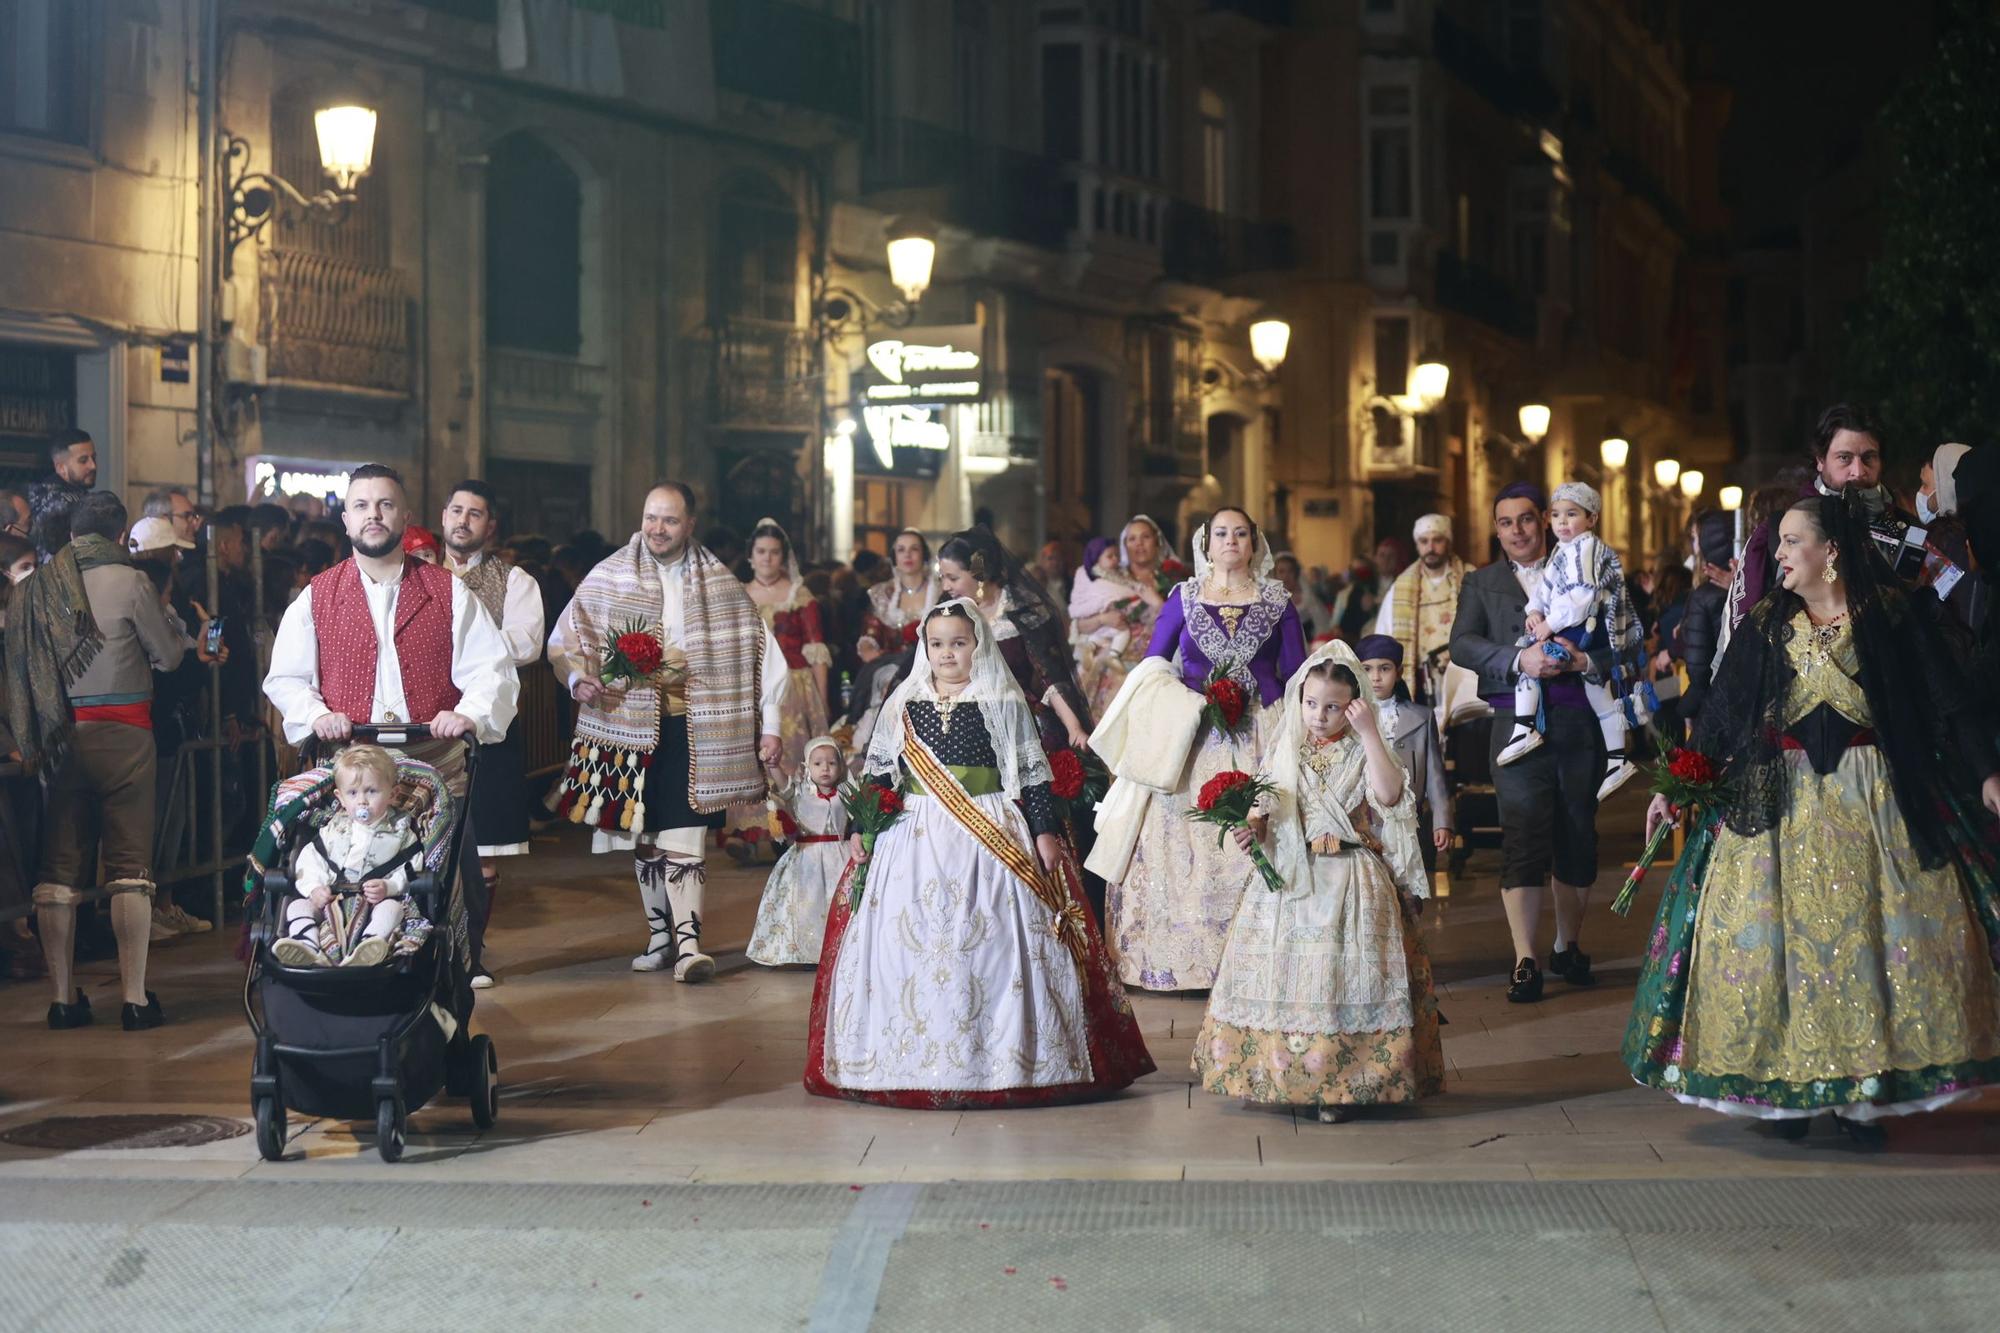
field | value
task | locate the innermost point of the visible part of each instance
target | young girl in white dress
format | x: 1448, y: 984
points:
x: 1323, y: 998
x: 791, y: 916
x: 971, y: 973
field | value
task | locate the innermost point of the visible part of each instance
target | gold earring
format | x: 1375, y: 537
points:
x: 978, y: 590
x: 1830, y: 574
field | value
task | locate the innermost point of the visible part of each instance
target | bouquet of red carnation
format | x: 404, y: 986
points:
x: 871, y: 809
x: 1225, y: 701
x: 1172, y: 574
x: 634, y: 656
x: 1690, y: 781
x: 1226, y: 801
x: 1078, y: 777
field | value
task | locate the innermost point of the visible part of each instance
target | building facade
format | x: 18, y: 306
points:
x: 1502, y: 189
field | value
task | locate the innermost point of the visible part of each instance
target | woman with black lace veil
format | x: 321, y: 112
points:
x: 1027, y: 628
x: 1828, y: 940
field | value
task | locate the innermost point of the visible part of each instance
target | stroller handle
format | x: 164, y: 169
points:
x: 391, y: 734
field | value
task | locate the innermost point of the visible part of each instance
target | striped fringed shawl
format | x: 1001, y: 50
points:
x: 723, y: 637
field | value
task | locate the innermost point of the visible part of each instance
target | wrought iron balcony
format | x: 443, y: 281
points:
x: 326, y: 320
x: 766, y: 376
x: 993, y: 190
x: 1202, y: 246
x: 788, y: 53
x: 544, y: 380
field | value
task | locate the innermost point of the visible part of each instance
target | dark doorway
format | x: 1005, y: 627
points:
x: 552, y: 499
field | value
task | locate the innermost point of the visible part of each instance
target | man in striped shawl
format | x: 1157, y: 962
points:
x: 657, y: 761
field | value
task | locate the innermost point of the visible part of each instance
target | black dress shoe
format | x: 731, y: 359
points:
x: 137, y: 1018
x: 1572, y: 965
x: 1867, y: 1135
x: 1527, y: 987
x: 1792, y: 1128
x: 71, y: 1015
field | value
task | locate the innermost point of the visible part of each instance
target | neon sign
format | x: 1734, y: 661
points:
x: 934, y: 365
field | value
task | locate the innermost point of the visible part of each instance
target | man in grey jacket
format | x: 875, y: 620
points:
x: 1411, y: 730
x: 1548, y: 799
x: 98, y: 669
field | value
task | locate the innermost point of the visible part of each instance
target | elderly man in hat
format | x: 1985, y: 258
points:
x: 1418, y: 610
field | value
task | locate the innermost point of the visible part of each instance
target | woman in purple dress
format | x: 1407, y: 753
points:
x: 1170, y: 913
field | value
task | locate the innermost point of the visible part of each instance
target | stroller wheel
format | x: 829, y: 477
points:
x: 270, y: 1128
x: 485, y: 1089
x: 389, y: 1129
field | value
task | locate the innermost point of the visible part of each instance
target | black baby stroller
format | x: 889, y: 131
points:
x: 353, y: 1042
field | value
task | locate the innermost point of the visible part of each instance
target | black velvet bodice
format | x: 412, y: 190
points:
x: 968, y: 746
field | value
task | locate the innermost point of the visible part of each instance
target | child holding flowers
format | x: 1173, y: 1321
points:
x: 968, y: 973
x: 1323, y: 997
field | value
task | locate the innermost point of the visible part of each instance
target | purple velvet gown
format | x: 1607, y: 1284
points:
x: 1169, y: 918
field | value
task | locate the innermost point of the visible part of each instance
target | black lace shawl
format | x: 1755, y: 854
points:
x: 1929, y: 724
x: 1034, y: 616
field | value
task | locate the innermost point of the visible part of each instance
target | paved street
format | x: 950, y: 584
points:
x: 1550, y: 1190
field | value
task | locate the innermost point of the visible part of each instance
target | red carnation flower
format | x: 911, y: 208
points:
x: 641, y: 650
x: 888, y: 802
x: 1691, y: 766
x: 1229, y: 700
x: 1220, y: 786
x: 910, y: 634
x: 1066, y: 770
x: 1175, y: 568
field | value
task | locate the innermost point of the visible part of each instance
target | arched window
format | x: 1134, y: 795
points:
x: 534, y: 258
x: 758, y: 253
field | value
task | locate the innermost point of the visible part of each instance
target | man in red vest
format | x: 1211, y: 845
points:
x: 381, y: 638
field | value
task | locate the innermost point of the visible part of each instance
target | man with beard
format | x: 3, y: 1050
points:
x: 657, y: 761
x: 512, y: 598
x: 385, y: 639
x: 73, y: 457
x: 1548, y: 799
x: 1420, y: 605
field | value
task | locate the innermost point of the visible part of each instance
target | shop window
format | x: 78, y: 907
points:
x: 45, y: 56
x: 534, y: 270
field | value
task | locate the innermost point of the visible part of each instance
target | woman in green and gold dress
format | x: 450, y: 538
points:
x: 1828, y: 939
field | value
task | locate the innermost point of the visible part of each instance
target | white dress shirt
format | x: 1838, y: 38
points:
x: 480, y: 665
x: 522, y: 620
x: 575, y: 660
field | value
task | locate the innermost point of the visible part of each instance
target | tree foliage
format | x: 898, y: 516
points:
x: 1924, y: 342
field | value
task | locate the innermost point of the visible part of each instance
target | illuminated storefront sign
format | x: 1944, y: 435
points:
x: 932, y: 365
x: 271, y: 477
x: 901, y: 427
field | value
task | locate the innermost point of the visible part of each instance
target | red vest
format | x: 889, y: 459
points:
x: 348, y: 649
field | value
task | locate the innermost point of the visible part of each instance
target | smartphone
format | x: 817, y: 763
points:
x: 212, y: 641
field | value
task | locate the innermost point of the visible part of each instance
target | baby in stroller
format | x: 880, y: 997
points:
x: 352, y: 873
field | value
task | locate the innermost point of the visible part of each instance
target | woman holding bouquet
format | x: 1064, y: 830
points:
x: 1324, y: 995
x: 1171, y: 890
x: 1138, y: 579
x: 1833, y: 948
x: 969, y: 974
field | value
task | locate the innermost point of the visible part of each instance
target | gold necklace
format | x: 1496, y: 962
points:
x: 945, y: 708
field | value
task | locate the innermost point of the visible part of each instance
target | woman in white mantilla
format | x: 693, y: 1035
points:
x: 1324, y: 994
x: 970, y: 974
x: 1170, y: 891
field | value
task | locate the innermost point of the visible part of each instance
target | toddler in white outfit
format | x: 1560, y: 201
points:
x: 1581, y: 583
x: 355, y: 866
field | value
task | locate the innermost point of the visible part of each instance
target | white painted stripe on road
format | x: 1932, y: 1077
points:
x: 852, y: 1278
